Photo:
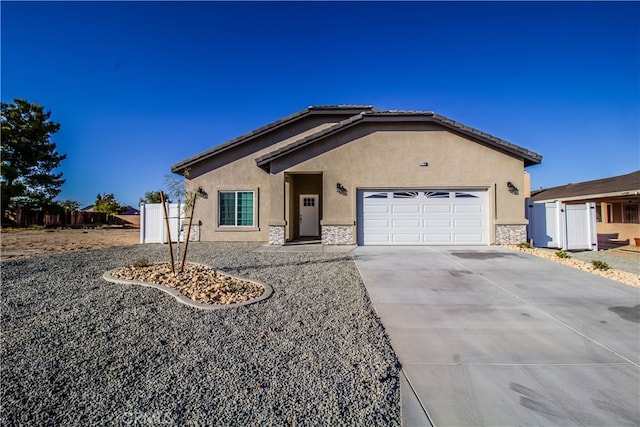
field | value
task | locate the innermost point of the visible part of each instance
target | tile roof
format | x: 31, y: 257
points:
x: 617, y: 184
x: 318, y: 109
x: 530, y: 157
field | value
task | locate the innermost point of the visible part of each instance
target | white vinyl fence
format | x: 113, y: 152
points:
x: 562, y: 226
x: 154, y: 230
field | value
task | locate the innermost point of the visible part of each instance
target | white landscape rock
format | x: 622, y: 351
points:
x: 627, y: 278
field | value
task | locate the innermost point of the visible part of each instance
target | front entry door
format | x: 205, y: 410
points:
x: 309, y: 215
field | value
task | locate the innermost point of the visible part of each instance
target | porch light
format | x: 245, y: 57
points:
x: 340, y: 189
x: 512, y: 188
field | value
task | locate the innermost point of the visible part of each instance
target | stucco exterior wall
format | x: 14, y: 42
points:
x: 390, y: 159
x: 362, y: 158
x: 241, y: 174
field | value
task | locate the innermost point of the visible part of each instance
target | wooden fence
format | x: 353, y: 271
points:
x: 27, y: 218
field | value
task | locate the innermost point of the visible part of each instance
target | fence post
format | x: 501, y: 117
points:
x: 142, y: 224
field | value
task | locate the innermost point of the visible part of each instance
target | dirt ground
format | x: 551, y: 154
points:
x: 25, y: 243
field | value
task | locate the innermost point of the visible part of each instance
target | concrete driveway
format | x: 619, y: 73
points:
x: 494, y: 337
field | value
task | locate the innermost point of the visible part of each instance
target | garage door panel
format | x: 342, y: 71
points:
x: 437, y: 223
x: 467, y: 208
x: 423, y: 217
x: 472, y: 223
x: 436, y: 209
x: 406, y: 223
x: 405, y: 209
x: 376, y: 223
x: 376, y: 209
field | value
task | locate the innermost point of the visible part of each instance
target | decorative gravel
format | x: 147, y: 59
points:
x: 198, y: 282
x: 77, y: 350
x: 621, y: 266
x: 615, y: 259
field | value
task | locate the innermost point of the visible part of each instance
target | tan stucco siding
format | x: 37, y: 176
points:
x: 390, y: 159
x: 358, y: 159
x: 239, y: 175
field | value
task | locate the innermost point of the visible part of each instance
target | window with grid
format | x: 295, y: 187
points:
x: 235, y: 208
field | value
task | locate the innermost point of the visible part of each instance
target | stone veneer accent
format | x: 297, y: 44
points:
x: 194, y: 236
x: 337, y: 235
x: 510, y: 234
x: 276, y: 235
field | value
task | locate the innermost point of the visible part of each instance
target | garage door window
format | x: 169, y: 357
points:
x: 436, y: 194
x: 405, y: 195
x: 465, y: 196
x: 377, y: 196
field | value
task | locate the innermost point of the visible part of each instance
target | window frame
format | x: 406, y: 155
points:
x: 254, y: 216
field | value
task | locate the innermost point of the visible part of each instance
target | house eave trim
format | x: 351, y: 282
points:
x: 628, y: 193
x: 312, y: 110
x: 529, y: 157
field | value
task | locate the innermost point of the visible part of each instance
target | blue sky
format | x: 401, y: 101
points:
x: 140, y: 86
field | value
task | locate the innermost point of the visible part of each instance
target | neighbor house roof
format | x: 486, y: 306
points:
x: 622, y: 185
x: 346, y: 110
x: 530, y: 157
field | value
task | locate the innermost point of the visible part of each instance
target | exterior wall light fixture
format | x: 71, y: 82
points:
x: 340, y: 189
x: 512, y: 188
x: 423, y: 164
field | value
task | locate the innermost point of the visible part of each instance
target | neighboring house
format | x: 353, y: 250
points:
x: 359, y: 175
x: 617, y: 205
x: 130, y: 210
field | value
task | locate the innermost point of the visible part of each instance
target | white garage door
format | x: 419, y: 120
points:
x: 425, y: 217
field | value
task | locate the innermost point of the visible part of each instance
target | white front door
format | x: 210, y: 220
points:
x: 309, y: 215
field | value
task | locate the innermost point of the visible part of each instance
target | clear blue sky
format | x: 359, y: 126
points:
x: 140, y: 86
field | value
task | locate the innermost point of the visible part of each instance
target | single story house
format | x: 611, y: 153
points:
x: 617, y: 205
x: 353, y: 174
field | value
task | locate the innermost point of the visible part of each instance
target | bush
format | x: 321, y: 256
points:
x: 599, y: 265
x: 524, y: 245
x: 562, y: 254
x: 141, y: 262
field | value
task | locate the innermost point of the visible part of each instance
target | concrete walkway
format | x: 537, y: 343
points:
x: 493, y: 337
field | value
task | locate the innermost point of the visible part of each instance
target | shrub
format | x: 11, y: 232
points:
x: 599, y: 265
x: 562, y: 254
x: 141, y: 262
x: 524, y: 245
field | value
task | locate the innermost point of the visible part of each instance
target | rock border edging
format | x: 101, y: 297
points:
x: 268, y: 290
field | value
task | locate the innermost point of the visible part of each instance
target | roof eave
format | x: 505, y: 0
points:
x: 319, y: 110
x: 530, y: 158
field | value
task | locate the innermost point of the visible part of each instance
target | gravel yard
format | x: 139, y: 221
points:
x: 77, y: 350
